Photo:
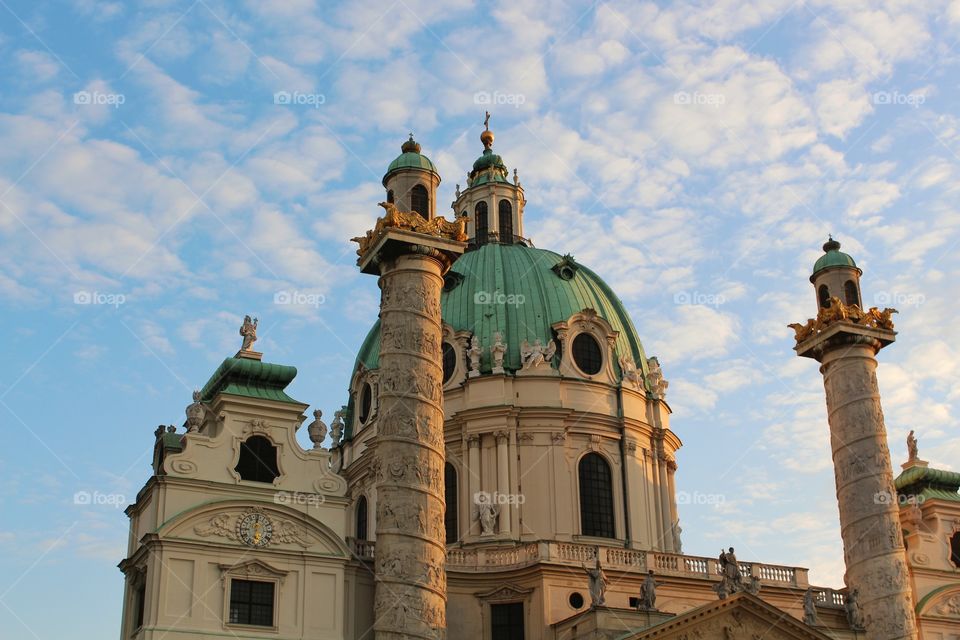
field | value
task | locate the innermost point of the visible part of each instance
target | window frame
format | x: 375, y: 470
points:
x: 589, y: 335
x: 273, y: 602
x: 597, y: 532
x: 485, y: 216
x: 505, y: 231
x: 244, y: 442
x: 514, y: 606
x: 451, y: 512
x: 418, y: 191
x: 255, y: 571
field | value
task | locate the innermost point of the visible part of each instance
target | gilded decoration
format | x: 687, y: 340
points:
x: 412, y: 221
x: 837, y: 311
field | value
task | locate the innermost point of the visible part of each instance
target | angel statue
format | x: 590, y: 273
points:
x: 249, y: 333
x: 535, y: 356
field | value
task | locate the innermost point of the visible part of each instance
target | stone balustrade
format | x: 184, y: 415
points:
x: 616, y: 558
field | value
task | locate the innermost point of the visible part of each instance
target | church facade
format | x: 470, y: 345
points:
x: 504, y: 467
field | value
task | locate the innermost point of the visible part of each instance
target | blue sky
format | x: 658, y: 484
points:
x: 694, y: 154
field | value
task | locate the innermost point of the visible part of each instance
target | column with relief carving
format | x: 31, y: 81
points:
x: 410, y: 554
x: 845, y: 341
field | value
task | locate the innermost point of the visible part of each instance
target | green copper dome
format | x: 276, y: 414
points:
x: 833, y: 257
x: 409, y: 158
x: 521, y: 291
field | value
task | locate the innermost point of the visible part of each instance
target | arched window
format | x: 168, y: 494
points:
x: 362, y: 518
x: 955, y: 549
x: 480, y: 219
x: 450, y: 497
x: 824, y: 295
x: 850, y: 293
x: 449, y: 361
x: 596, y: 497
x: 258, y: 460
x: 419, y: 200
x: 390, y: 195
x: 505, y: 214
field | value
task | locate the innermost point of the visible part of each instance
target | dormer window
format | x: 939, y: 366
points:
x: 258, y: 460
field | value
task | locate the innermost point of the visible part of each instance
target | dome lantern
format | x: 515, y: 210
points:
x: 412, y: 180
x: 493, y: 203
x: 836, y: 275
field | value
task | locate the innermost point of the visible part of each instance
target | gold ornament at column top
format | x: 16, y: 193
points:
x: 411, y: 221
x: 410, y: 554
x: 845, y: 340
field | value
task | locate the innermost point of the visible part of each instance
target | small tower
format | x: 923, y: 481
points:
x: 412, y: 180
x: 493, y: 202
x: 845, y: 340
x: 836, y: 275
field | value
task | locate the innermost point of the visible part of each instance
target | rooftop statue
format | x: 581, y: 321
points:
x: 598, y: 583
x: 249, y: 332
x: 912, y: 450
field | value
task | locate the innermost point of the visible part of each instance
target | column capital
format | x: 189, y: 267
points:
x: 502, y: 437
x: 382, y: 245
x: 473, y: 440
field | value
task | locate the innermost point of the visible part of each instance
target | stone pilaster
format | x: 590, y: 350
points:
x: 869, y: 522
x: 410, y: 554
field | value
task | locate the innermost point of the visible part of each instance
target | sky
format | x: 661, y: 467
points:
x: 167, y: 167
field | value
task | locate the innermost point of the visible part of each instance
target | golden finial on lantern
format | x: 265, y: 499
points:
x: 487, y: 136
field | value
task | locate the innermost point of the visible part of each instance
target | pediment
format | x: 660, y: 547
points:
x: 507, y: 592
x: 229, y: 523
x: 252, y: 569
x: 740, y: 617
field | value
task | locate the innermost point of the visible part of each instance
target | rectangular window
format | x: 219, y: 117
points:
x: 251, y: 602
x: 140, y: 597
x: 507, y: 621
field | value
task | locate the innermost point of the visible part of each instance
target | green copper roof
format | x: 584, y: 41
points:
x: 489, y: 167
x: 929, y: 483
x: 409, y: 158
x: 532, y: 297
x: 833, y: 257
x: 250, y: 378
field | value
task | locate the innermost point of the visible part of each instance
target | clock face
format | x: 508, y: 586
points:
x: 255, y: 529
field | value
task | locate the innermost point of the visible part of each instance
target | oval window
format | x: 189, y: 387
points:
x: 449, y: 361
x: 587, y: 354
x: 366, y: 400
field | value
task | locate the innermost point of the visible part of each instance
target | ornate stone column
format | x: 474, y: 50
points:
x: 503, y: 480
x: 410, y: 553
x: 846, y: 348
